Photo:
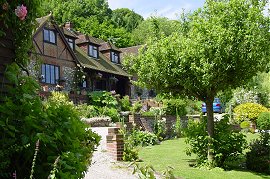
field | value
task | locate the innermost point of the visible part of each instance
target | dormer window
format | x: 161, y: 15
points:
x: 71, y: 43
x: 115, y: 57
x: 49, y: 36
x: 93, y: 51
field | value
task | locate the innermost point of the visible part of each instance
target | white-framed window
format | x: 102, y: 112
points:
x: 93, y: 51
x: 49, y: 36
x: 50, y: 73
x: 115, y: 57
x: 71, y: 43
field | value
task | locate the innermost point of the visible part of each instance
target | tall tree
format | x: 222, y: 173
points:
x: 154, y: 27
x: 126, y: 18
x: 220, y: 46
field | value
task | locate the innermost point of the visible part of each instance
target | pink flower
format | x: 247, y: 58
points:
x: 21, y: 12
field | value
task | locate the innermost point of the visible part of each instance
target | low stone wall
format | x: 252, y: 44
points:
x: 146, y: 123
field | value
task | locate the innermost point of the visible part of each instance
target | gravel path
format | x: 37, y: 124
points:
x: 103, y: 166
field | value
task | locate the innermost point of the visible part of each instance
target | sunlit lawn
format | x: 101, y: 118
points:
x: 172, y: 153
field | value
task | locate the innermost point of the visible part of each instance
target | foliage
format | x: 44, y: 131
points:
x: 130, y: 153
x: 194, y: 107
x: 148, y: 113
x: 143, y: 138
x: 263, y: 121
x: 136, y: 107
x: 248, y: 111
x: 102, y: 99
x: 208, y: 54
x: 126, y: 18
x: 144, y: 172
x: 260, y: 84
x: 95, y: 14
x: 245, y: 125
x: 174, y: 107
x: 159, y: 129
x: 160, y: 158
x: 21, y: 29
x: 153, y: 27
x: 65, y: 125
x: 111, y: 112
x: 178, y: 128
x: 25, y: 119
x: 125, y: 103
x: 227, y: 144
x: 87, y: 111
x: 258, y: 158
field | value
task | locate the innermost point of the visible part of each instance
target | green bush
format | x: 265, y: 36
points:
x: 227, y: 144
x: 248, y: 112
x: 263, y: 121
x: 102, y: 99
x: 110, y: 112
x: 125, y: 103
x: 174, y: 107
x: 148, y: 113
x: 160, y: 129
x: 130, y: 152
x: 258, y: 158
x: 24, y: 119
x: 136, y: 107
x: 87, y: 111
x: 143, y: 138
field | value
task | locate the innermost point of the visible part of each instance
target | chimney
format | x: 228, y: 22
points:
x: 69, y: 25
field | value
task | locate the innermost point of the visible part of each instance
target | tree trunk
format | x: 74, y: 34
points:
x: 210, y: 128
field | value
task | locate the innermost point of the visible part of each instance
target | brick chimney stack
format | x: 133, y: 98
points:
x: 69, y: 25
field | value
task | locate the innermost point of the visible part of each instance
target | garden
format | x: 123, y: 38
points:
x: 52, y: 138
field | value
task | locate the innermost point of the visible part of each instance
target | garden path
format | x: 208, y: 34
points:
x: 103, y: 166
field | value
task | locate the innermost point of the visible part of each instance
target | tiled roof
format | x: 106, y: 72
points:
x: 86, y: 39
x: 100, y: 64
x: 68, y: 32
x: 131, y: 50
x: 108, y: 46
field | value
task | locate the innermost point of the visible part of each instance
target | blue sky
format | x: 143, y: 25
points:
x: 165, y: 8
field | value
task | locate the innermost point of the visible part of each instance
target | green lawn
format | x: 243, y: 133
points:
x: 172, y: 153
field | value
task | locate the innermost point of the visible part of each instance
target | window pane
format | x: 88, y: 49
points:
x: 52, y: 75
x: 95, y: 53
x: 47, y: 77
x: 52, y: 37
x: 71, y: 45
x: 56, y: 74
x: 84, y: 84
x: 43, y: 74
x: 46, y: 35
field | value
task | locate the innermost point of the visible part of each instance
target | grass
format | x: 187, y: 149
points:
x: 172, y: 153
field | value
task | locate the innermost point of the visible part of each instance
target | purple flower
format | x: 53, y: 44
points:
x: 21, y: 12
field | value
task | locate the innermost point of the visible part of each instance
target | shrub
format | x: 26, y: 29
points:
x: 174, y: 106
x: 143, y: 138
x: 110, y: 112
x: 130, y: 152
x: 227, y: 144
x: 125, y: 104
x: 258, y: 159
x: 245, y: 125
x: 148, y: 113
x: 56, y: 123
x: 136, y: 107
x: 160, y: 129
x: 263, y: 121
x: 248, y: 111
x: 87, y: 111
x: 102, y: 99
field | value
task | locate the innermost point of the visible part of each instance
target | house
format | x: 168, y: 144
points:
x: 136, y: 91
x: 66, y: 60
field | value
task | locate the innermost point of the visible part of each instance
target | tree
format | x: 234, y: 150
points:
x: 219, y: 46
x: 153, y: 27
x: 126, y: 18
